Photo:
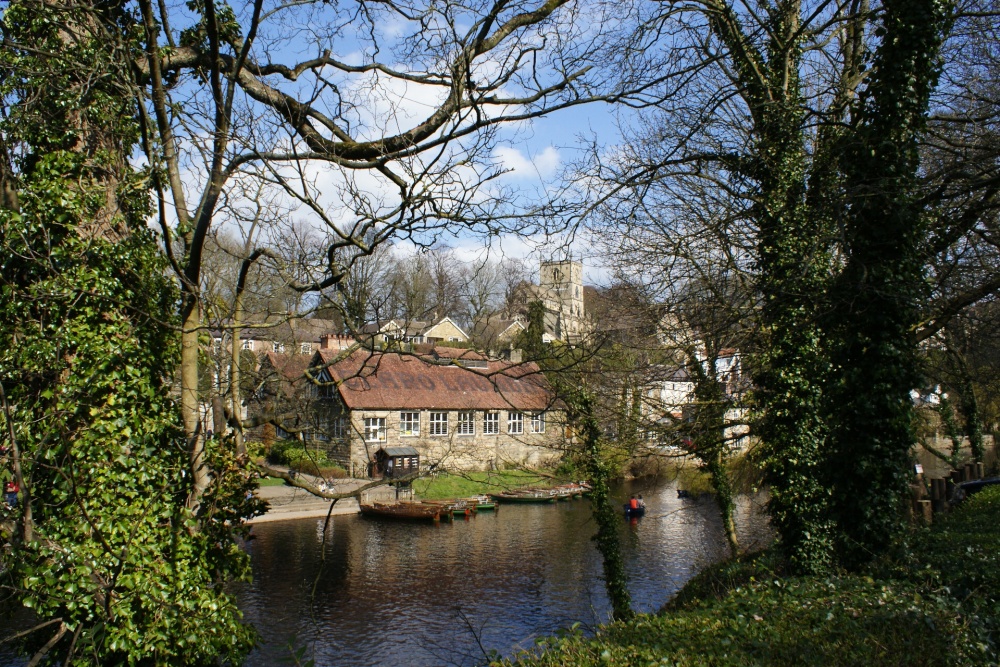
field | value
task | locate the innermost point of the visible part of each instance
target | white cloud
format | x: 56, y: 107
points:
x: 542, y: 165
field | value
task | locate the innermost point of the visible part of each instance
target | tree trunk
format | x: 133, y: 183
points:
x: 607, y: 517
x: 191, y: 322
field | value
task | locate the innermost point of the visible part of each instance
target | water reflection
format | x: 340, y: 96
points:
x: 377, y: 593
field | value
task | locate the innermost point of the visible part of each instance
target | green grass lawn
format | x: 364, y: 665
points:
x: 271, y: 481
x: 469, y: 484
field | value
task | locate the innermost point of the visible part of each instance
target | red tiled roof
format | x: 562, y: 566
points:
x: 391, y: 381
x: 285, y: 371
x: 457, y: 353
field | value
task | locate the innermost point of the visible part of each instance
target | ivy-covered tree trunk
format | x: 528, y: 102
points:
x: 876, y: 295
x: 104, y: 556
x: 708, y: 434
x: 607, y: 516
x: 792, y: 264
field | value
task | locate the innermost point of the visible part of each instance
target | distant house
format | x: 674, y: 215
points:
x: 671, y: 390
x: 456, y: 408
x: 281, y: 334
x: 282, y: 392
x: 496, y: 334
x: 414, y: 331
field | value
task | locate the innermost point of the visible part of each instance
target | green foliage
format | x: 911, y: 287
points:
x: 951, y: 428
x: 821, y: 622
x: 840, y: 276
x: 606, y: 515
x: 877, y: 295
x: 530, y: 341
x: 440, y: 487
x: 960, y: 554
x: 104, y: 542
x: 939, y: 604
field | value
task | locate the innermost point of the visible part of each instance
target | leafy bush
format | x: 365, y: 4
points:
x: 938, y: 603
x: 293, y: 454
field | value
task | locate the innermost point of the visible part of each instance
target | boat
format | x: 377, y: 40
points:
x: 403, y: 511
x: 571, y: 490
x: 525, y: 496
x: 482, y: 503
x: 460, y: 507
x: 634, y: 512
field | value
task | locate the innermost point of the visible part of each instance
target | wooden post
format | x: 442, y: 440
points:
x: 926, y: 512
x: 968, y: 471
x: 979, y: 470
x: 938, y: 491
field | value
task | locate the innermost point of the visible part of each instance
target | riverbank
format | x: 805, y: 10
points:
x: 938, y: 604
x: 288, y: 502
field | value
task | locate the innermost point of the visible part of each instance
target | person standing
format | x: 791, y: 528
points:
x: 10, y: 491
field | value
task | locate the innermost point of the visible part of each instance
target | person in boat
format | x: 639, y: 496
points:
x: 633, y: 503
x: 640, y: 502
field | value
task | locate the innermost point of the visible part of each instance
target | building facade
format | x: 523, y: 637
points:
x: 457, y: 408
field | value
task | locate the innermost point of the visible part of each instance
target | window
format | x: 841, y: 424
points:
x: 515, y: 422
x: 439, y: 423
x: 538, y: 422
x: 338, y: 429
x: 491, y: 423
x: 466, y: 423
x: 278, y: 347
x: 248, y: 344
x: 374, y: 429
x: 409, y: 423
x: 322, y: 431
x: 305, y: 348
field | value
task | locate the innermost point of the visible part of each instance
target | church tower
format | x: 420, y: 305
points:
x: 561, y: 284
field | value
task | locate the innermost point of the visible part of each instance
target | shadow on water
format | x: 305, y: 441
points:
x: 379, y: 593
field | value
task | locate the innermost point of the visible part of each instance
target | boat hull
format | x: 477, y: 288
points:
x: 402, y: 512
x: 518, y: 498
x: 634, y: 512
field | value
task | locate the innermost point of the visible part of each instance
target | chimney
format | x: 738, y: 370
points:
x: 515, y: 355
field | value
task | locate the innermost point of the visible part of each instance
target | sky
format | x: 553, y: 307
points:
x: 534, y: 153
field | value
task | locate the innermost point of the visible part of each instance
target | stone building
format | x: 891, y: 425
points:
x: 562, y: 293
x: 456, y: 407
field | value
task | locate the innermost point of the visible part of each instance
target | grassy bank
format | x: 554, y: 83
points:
x: 469, y: 484
x: 937, y: 602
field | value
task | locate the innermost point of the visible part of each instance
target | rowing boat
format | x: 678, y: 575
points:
x: 404, y: 511
x: 526, y: 496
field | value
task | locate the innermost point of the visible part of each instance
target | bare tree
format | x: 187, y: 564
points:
x: 340, y: 139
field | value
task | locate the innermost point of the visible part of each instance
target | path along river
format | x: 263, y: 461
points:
x: 365, y: 592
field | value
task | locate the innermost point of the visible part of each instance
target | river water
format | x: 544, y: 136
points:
x: 368, y: 592
x: 358, y: 592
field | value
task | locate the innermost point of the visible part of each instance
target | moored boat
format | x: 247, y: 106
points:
x: 571, y: 490
x: 404, y: 511
x: 482, y: 503
x: 460, y: 507
x: 526, y: 496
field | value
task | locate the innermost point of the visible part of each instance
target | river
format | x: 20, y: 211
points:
x: 367, y: 592
x: 361, y: 592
